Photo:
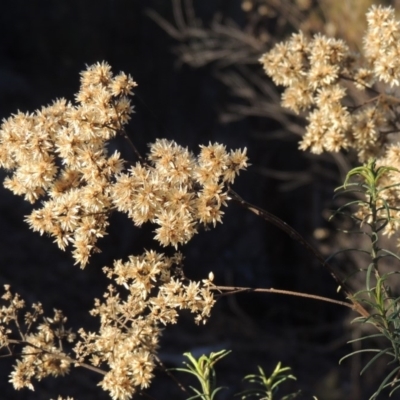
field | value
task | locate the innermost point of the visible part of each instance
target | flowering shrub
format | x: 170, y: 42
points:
x: 59, y: 155
x: 351, y: 103
x: 350, y: 100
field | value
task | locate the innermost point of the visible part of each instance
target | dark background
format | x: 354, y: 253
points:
x: 43, y: 47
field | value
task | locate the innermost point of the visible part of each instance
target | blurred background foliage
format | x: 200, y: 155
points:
x: 199, y: 81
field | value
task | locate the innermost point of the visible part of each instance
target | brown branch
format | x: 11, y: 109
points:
x: 135, y: 150
x: 59, y: 355
x: 296, y: 236
x: 178, y: 15
x: 164, y: 24
x: 121, y: 130
x: 173, y: 377
x: 238, y: 289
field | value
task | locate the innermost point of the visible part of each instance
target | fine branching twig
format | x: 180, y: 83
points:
x: 237, y: 289
x: 299, y: 238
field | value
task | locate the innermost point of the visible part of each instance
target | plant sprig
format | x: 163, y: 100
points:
x: 266, y: 387
x: 377, y: 294
x: 203, y: 369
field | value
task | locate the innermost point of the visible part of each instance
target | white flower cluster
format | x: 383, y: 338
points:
x: 350, y: 101
x: 59, y: 153
x: 176, y: 190
x: 124, y: 348
x: 341, y: 92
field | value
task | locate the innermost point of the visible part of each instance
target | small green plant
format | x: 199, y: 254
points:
x: 203, y: 370
x: 266, y: 387
x: 374, y: 214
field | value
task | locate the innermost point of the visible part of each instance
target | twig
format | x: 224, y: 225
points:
x: 178, y: 15
x: 173, y: 377
x: 296, y: 236
x: 58, y: 355
x: 238, y: 289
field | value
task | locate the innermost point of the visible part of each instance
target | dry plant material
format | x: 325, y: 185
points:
x: 59, y: 155
x: 322, y: 75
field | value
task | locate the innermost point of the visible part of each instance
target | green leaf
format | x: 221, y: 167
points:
x: 373, y: 359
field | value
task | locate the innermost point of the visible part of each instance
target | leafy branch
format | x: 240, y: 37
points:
x: 374, y: 214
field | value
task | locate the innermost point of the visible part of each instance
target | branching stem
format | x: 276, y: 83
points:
x: 299, y: 238
x: 238, y: 289
x: 60, y: 355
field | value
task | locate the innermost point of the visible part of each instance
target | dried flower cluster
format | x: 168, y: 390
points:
x: 320, y: 73
x: 41, y: 353
x: 59, y: 153
x: 124, y: 349
x: 177, y: 191
x: 127, y: 340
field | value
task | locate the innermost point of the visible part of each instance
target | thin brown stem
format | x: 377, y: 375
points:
x: 173, y: 377
x: 59, y: 355
x: 296, y: 236
x: 135, y: 150
x: 123, y: 132
x: 238, y: 289
x: 18, y: 326
x: 371, y: 100
x: 349, y: 78
x: 178, y: 15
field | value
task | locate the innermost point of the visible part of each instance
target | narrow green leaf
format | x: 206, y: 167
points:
x: 358, y: 352
x: 373, y: 359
